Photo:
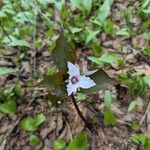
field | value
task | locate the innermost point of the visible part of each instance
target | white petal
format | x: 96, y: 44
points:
x: 73, y: 70
x: 71, y: 88
x: 86, y: 82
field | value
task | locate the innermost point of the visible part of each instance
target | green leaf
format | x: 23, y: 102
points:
x: 108, y: 99
x: 123, y: 32
x: 87, y: 4
x: 62, y: 53
x: 146, y: 11
x: 147, y: 79
x: 80, y: 96
x: 91, y: 35
x: 28, y: 124
x: 147, y: 35
x: 75, y: 29
x: 15, y: 42
x: 25, y: 16
x: 4, y: 71
x: 8, y: 107
x: 105, y: 58
x: 79, y: 142
x: 97, y: 49
x: 108, y: 26
x: 19, y: 43
x: 145, y: 3
x: 59, y: 144
x: 146, y: 6
x: 34, y: 140
x: 2, y: 14
x: 31, y: 124
x: 76, y: 3
x: 104, y: 10
x: 109, y: 118
x: 60, y: 5
x: 43, y: 2
x: 51, y: 71
x: 132, y: 106
x: 147, y: 51
x: 108, y: 58
x: 102, y: 80
x: 135, y: 126
x: 39, y: 119
x: 17, y: 89
x: 141, y: 139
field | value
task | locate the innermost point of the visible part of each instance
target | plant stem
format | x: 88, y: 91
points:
x: 88, y: 125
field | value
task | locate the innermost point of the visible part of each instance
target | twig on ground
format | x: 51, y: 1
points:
x: 88, y: 125
x: 69, y: 130
x: 145, y: 114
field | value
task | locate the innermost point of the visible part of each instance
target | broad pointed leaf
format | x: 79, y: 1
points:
x: 105, y: 58
x: 104, y: 10
x: 87, y: 4
x: 62, y: 53
x: 102, y: 80
x: 4, y: 70
x: 8, y: 107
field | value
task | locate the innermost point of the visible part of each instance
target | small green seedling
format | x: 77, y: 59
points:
x: 8, y: 107
x: 59, y: 144
x: 142, y: 140
x: 8, y: 98
x: 34, y: 140
x: 32, y: 124
x: 79, y: 142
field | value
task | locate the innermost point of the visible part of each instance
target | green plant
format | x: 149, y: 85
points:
x: 59, y: 144
x: 4, y: 71
x: 147, y: 51
x: 32, y: 124
x: 132, y: 106
x: 142, y: 140
x: 109, y: 117
x: 136, y: 83
x: 106, y: 58
x: 9, y: 97
x: 108, y: 26
x: 78, y: 143
x: 145, y: 6
x: 34, y: 139
x: 125, y: 31
x: 8, y: 107
x: 80, y: 96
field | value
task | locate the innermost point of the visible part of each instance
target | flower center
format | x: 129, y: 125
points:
x: 74, y: 80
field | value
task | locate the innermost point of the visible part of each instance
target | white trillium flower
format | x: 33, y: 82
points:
x: 76, y: 80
